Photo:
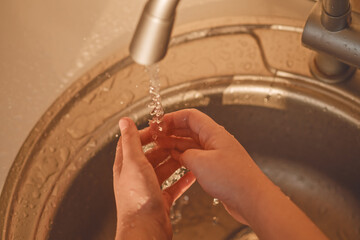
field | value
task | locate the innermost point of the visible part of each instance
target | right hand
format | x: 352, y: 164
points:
x: 221, y: 165
x: 226, y: 171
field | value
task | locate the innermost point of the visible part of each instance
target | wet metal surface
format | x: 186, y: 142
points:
x: 304, y: 134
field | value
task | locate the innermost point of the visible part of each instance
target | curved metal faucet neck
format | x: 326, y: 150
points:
x: 336, y: 14
x: 336, y: 8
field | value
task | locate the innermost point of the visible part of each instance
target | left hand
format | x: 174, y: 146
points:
x: 142, y: 207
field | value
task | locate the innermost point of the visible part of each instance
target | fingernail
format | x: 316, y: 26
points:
x: 123, y: 124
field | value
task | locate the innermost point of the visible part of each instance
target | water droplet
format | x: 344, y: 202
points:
x: 185, y: 199
x: 215, y: 202
x: 289, y: 63
x: 247, y: 66
x: 79, y: 64
x: 215, y: 220
x: 36, y: 194
x: 64, y: 154
x: 267, y: 98
x: 92, y: 143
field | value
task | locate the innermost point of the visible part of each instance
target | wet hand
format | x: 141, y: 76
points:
x: 226, y: 171
x: 142, y: 207
x: 212, y: 154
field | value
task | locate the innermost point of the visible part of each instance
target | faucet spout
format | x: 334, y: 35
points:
x: 152, y: 35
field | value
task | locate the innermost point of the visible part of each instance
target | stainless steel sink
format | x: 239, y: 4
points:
x: 250, y: 75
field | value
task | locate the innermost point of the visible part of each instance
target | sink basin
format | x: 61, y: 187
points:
x: 252, y: 76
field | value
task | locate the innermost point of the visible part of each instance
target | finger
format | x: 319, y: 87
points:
x: 165, y: 170
x: 194, y: 159
x: 118, y: 159
x: 145, y: 136
x: 131, y: 144
x: 177, y: 189
x: 157, y: 155
x: 199, y: 123
x: 180, y: 144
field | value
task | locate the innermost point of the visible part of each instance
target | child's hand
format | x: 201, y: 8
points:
x: 226, y: 171
x: 142, y: 208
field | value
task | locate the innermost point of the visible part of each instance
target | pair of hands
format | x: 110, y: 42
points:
x: 191, y: 139
x: 220, y: 164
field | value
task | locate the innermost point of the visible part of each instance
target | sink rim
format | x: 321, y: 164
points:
x: 80, y: 88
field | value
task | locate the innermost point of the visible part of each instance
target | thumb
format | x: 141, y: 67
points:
x: 192, y: 159
x: 131, y: 144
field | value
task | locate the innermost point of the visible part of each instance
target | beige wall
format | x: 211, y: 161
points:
x: 46, y: 45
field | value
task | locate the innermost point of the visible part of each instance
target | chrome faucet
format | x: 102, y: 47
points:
x: 152, y: 35
x: 331, y: 29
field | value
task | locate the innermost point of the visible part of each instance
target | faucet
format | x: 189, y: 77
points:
x: 331, y: 29
x: 152, y: 35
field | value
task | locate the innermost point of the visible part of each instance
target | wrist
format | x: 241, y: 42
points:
x: 143, y: 227
x: 254, y: 188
